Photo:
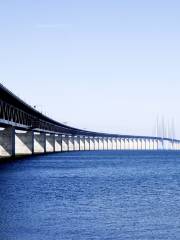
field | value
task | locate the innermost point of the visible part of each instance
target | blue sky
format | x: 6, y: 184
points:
x: 102, y: 65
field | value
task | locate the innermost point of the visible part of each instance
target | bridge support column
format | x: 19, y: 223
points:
x: 158, y: 145
x: 87, y: 143
x: 143, y: 144
x: 131, y: 144
x: 118, y: 144
x: 155, y: 144
x: 7, y: 142
x: 147, y: 144
x: 39, y: 142
x: 71, y: 143
x: 135, y: 144
x: 65, y: 143
x: 170, y: 145
x: 114, y: 145
x: 105, y: 143
x: 162, y: 144
x: 96, y: 143
x: 138, y: 144
x: 122, y: 143
x: 165, y: 145
x: 101, y: 146
x: 110, y: 144
x: 58, y: 143
x: 176, y: 145
x: 92, y: 144
x: 82, y: 143
x: 76, y: 143
x: 127, y: 144
x: 24, y: 142
x: 150, y: 144
x: 50, y: 142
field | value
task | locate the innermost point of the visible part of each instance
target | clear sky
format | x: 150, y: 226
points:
x: 103, y: 65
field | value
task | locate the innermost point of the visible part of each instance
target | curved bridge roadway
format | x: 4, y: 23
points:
x: 24, y: 130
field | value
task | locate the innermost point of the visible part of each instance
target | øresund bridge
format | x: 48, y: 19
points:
x: 26, y: 131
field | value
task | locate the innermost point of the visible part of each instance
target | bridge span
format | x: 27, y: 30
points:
x: 26, y: 131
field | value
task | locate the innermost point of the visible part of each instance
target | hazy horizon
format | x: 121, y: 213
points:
x: 99, y: 65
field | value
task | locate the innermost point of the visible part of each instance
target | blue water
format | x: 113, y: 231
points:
x: 91, y: 196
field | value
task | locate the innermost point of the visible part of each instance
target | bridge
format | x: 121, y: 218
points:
x: 26, y: 131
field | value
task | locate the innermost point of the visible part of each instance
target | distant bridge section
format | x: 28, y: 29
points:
x: 24, y: 130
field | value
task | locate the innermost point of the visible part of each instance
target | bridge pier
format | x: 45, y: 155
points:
x: 138, y: 144
x: 113, y: 144
x: 76, y: 143
x: 82, y: 143
x: 126, y: 143
x: 58, y: 143
x: 122, y: 143
x: 7, y: 142
x: 133, y: 144
x: 50, y: 142
x: 147, y: 144
x: 176, y: 146
x: 109, y: 143
x: 105, y: 143
x: 130, y: 144
x: 87, y: 143
x: 118, y: 143
x: 170, y: 145
x: 91, y: 143
x: 71, y: 143
x: 153, y: 145
x: 142, y: 144
x: 24, y: 142
x: 158, y: 144
x: 65, y: 143
x: 39, y: 142
x: 96, y: 143
x: 101, y: 145
x: 166, y: 145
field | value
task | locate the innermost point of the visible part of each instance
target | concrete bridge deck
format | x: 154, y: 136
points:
x: 25, y: 131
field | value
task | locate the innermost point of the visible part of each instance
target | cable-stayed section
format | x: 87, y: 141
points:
x: 26, y: 130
